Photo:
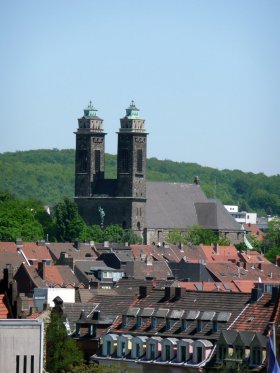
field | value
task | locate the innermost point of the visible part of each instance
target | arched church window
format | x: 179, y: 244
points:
x: 139, y: 160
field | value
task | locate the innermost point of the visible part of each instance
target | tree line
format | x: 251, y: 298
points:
x: 48, y: 175
x: 28, y: 220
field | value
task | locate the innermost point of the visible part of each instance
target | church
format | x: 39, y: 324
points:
x: 151, y: 209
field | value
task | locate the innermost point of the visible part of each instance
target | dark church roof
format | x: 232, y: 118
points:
x: 179, y: 206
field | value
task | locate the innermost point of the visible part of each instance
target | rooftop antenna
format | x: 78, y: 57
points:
x: 215, y: 187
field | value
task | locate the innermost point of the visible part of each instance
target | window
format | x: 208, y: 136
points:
x: 17, y: 364
x: 222, y: 353
x: 97, y: 160
x: 185, y: 324
x: 137, y: 350
x: 183, y: 351
x: 256, y: 356
x: 123, y: 348
x: 216, y: 326
x: 108, y: 347
x: 152, y: 351
x: 124, y: 160
x: 239, y: 352
x: 25, y: 364
x: 107, y: 274
x: 139, y: 160
x: 124, y: 320
x: 139, y: 321
x: 82, y: 160
x: 167, y: 352
x: 154, y: 322
x: 32, y: 364
x: 199, y: 354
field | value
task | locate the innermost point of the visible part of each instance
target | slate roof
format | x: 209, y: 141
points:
x: 158, y: 270
x: 213, y: 215
x: 210, y: 304
x: 171, y: 205
x: 179, y: 205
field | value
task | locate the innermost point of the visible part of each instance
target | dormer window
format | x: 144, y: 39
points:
x: 239, y: 352
x: 139, y: 322
x: 222, y: 353
x: 256, y: 356
x: 154, y: 322
x: 216, y: 326
x: 185, y: 324
x: 124, y: 320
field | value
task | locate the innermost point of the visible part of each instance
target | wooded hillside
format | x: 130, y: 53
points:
x: 48, y: 175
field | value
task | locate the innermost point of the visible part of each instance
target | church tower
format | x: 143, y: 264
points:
x: 90, y: 150
x: 131, y: 166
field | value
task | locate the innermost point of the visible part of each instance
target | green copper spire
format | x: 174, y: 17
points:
x: 132, y: 112
x: 90, y: 111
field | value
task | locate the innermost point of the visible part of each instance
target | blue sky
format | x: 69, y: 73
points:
x: 205, y: 75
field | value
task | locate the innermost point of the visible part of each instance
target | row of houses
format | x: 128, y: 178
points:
x: 148, y: 307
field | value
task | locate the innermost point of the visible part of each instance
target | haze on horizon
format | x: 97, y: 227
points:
x: 205, y: 76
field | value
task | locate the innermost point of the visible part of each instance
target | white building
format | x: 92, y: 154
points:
x: 242, y: 216
x: 21, y: 346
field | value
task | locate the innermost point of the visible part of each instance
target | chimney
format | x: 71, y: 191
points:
x: 41, y: 243
x: 143, y: 291
x: 19, y: 242
x: 126, y: 244
x: 256, y: 294
x: 42, y: 269
x: 178, y: 292
x: 106, y: 244
x: 77, y: 245
x: 278, y: 261
x: 274, y: 294
x: 169, y: 292
x: 216, y: 248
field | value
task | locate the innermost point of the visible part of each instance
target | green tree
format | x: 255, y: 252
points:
x: 272, y: 240
x: 197, y: 235
x: 18, y: 218
x: 69, y: 225
x: 62, y: 352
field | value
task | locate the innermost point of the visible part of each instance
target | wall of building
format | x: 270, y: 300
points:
x: 21, y: 340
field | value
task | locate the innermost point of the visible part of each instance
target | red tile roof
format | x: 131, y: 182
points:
x: 4, y: 311
x: 84, y: 251
x: 256, y: 231
x: 227, y: 272
x: 219, y: 253
x: 32, y: 251
x: 209, y: 286
x: 59, y: 275
x: 256, y: 316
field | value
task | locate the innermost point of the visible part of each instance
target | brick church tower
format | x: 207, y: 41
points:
x: 111, y: 201
x: 132, y: 154
x: 90, y: 150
